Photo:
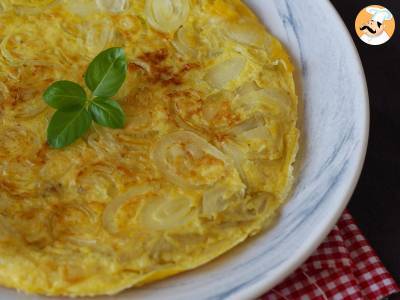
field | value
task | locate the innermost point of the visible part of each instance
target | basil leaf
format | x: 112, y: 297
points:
x: 67, y: 126
x: 107, y: 112
x: 107, y: 72
x: 64, y: 94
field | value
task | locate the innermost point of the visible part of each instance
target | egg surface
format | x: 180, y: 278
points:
x: 203, y: 162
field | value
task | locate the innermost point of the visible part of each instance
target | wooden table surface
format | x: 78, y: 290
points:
x: 376, y: 202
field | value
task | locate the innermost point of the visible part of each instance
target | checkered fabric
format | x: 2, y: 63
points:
x: 344, y: 267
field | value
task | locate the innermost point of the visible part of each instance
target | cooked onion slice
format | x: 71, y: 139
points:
x: 238, y: 157
x: 30, y: 111
x: 256, y: 138
x: 99, y: 35
x: 6, y: 54
x: 114, y: 6
x: 247, y: 125
x: 261, y: 203
x: 186, y: 111
x: 247, y: 139
x: 4, y: 92
x: 221, y: 74
x: 216, y: 199
x: 188, y: 160
x: 5, y: 6
x: 164, y: 213
x: 112, y: 208
x: 247, y: 32
x: 272, y: 100
x: 258, y: 133
x: 167, y: 15
x: 10, y: 144
x: 247, y: 88
x: 66, y: 223
x: 81, y: 7
x: 103, y: 142
x: 185, y: 41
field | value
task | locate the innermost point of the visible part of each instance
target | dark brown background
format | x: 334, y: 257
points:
x: 376, y: 202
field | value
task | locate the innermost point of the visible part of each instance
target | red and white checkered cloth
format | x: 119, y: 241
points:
x: 344, y: 267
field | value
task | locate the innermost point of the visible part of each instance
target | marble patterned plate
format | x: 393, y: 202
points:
x: 334, y: 124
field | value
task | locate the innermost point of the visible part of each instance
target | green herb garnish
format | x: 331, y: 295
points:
x: 76, y: 111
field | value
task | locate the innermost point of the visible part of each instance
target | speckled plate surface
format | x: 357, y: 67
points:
x: 334, y: 124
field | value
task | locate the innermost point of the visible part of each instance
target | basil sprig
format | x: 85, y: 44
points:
x: 76, y: 111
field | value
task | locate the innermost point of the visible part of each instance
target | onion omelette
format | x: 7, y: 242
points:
x: 203, y: 162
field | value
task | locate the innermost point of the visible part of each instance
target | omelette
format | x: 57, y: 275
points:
x: 203, y: 162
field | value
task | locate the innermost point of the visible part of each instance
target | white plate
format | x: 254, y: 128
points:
x: 335, y: 133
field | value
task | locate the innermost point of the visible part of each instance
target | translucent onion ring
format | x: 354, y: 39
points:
x: 160, y: 152
x: 166, y: 15
x: 112, y: 208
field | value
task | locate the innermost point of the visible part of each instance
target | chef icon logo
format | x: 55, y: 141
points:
x: 375, y: 25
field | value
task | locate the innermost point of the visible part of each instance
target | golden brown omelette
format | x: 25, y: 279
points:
x: 203, y: 162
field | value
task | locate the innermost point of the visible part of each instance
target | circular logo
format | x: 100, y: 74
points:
x: 375, y: 25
